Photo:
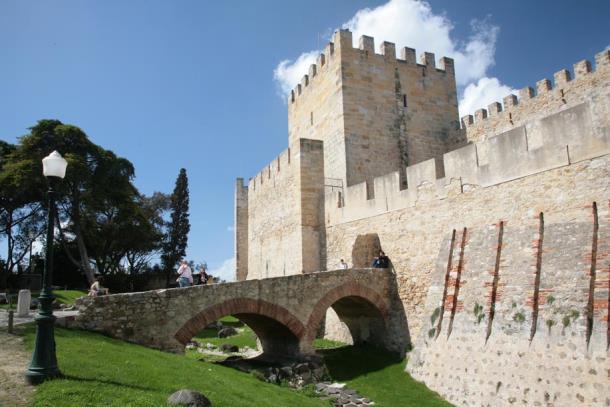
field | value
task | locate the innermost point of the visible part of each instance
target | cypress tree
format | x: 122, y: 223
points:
x: 176, y: 239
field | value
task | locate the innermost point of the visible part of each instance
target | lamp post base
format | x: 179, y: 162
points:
x: 44, y: 362
x: 35, y: 377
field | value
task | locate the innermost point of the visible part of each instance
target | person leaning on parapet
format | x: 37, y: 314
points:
x: 185, y: 275
x: 343, y: 265
x: 381, y: 262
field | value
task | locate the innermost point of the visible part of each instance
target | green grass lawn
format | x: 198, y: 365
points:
x: 100, y: 371
x: 380, y: 376
x: 104, y: 371
x: 63, y: 297
x: 245, y: 336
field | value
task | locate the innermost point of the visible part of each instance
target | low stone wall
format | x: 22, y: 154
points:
x: 285, y: 312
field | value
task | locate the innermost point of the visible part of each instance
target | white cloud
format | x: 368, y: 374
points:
x: 482, y: 93
x: 413, y: 24
x: 288, y: 74
x: 225, y: 271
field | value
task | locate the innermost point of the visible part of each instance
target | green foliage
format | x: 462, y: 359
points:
x: 435, y: 314
x: 478, y: 313
x: 550, y: 300
x: 100, y: 212
x: 550, y: 323
x: 569, y: 318
x: 431, y: 333
x: 321, y: 343
x: 519, y: 317
x: 174, y: 247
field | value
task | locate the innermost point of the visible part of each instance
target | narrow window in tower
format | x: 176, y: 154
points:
x: 404, y: 100
x: 311, y: 118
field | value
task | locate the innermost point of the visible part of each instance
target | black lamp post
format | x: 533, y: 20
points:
x: 44, y: 362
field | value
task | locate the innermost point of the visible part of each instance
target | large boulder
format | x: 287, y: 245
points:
x: 226, y: 332
x: 189, y: 398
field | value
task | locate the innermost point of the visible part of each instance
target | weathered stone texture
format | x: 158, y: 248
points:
x: 514, y: 224
x: 285, y: 313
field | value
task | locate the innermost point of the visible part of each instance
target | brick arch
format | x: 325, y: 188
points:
x: 239, y: 306
x: 349, y: 289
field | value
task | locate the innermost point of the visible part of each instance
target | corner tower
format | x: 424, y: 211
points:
x: 375, y: 113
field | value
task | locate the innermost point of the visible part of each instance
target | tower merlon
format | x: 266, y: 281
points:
x: 427, y: 59
x: 582, y: 68
x: 312, y: 70
x: 543, y: 86
x: 388, y: 50
x: 367, y: 44
x: 408, y: 55
x: 561, y: 77
x: 446, y: 64
x: 602, y: 60
x: 510, y: 101
x: 494, y: 109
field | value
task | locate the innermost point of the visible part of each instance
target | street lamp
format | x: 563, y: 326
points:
x: 44, y: 361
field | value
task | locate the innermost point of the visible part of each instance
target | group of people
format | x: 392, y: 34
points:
x: 380, y: 262
x: 186, y: 276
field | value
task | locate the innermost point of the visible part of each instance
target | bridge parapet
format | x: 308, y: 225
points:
x: 285, y: 312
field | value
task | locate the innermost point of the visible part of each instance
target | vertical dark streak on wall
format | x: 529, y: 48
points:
x: 440, y: 317
x: 458, y: 278
x: 494, y: 285
x: 535, y: 304
x: 592, y: 274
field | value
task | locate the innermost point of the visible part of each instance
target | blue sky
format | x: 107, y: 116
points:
x: 197, y: 84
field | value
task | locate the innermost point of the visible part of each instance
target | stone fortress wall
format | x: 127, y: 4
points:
x: 501, y: 248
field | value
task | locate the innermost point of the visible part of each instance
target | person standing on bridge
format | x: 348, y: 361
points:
x: 185, y: 275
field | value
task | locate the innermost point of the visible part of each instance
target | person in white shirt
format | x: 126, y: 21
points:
x: 343, y: 264
x: 185, y: 275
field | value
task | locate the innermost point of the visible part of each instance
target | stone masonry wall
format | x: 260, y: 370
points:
x: 241, y: 230
x: 285, y: 214
x: 545, y: 182
x: 279, y: 309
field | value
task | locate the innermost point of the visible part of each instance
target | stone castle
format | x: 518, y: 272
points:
x: 497, y: 226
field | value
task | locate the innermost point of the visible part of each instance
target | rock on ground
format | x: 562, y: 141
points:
x: 189, y: 398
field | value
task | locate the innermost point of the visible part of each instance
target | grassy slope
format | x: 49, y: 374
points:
x: 379, y: 375
x: 108, y: 372
x: 63, y: 297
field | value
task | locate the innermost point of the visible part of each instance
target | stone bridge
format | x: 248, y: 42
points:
x: 284, y: 312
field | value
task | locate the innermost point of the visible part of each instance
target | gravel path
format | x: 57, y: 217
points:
x: 14, y: 360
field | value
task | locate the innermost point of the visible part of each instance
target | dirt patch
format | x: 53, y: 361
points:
x: 14, y: 361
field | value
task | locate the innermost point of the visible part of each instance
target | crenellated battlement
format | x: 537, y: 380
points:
x: 574, y: 132
x: 342, y: 40
x: 565, y: 89
x: 272, y: 171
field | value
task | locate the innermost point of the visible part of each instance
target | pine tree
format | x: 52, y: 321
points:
x: 174, y: 247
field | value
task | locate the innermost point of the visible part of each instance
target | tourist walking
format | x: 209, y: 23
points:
x: 185, y: 275
x: 343, y: 265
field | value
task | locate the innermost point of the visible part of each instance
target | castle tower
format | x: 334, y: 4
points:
x: 375, y: 113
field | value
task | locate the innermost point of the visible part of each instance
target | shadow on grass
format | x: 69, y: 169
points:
x: 109, y: 382
x: 350, y: 362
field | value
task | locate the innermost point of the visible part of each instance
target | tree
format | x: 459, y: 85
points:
x: 174, y: 247
x: 98, y: 206
x: 150, y: 241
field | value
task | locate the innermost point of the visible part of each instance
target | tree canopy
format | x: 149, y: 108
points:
x: 100, y: 211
